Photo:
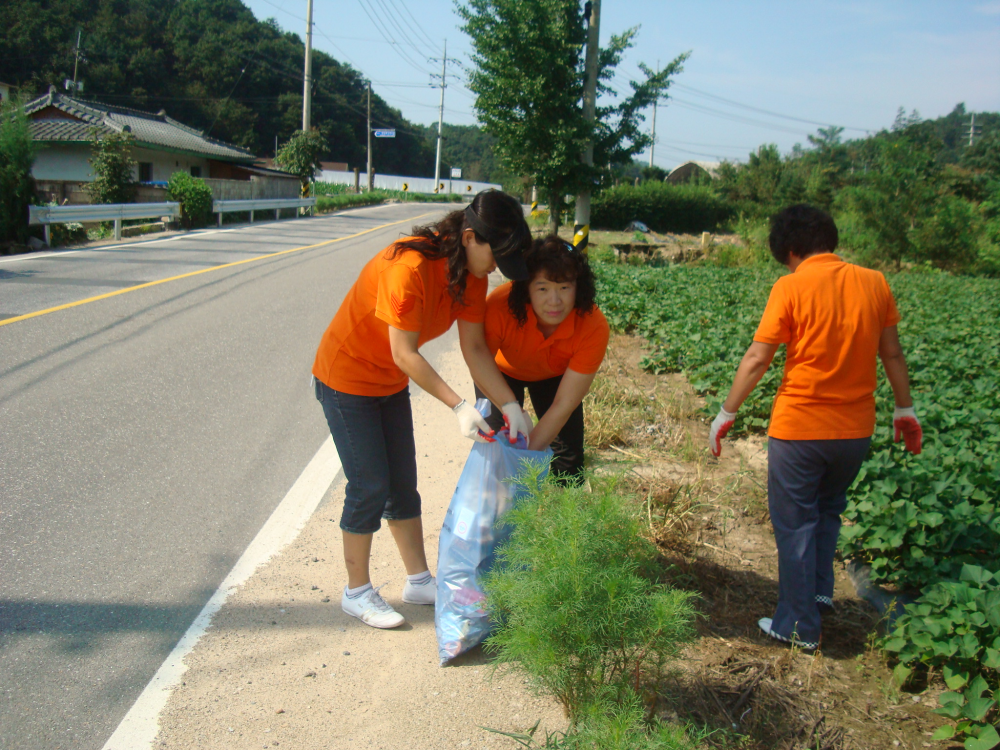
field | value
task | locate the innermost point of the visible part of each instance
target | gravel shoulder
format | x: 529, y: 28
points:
x: 283, y: 666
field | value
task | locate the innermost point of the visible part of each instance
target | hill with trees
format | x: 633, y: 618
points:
x: 210, y: 64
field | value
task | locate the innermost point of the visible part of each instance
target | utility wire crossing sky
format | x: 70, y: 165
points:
x: 770, y: 72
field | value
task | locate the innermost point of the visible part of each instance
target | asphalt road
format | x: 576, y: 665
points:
x: 146, y: 437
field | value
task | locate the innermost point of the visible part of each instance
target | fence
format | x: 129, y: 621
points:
x: 48, y: 215
x: 412, y: 184
x: 254, y: 188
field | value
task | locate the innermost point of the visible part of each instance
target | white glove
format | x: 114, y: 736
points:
x: 720, y: 426
x: 513, y: 416
x: 470, y: 422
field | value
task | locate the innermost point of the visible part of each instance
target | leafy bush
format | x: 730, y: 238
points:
x: 955, y: 628
x: 195, y: 197
x: 113, y: 167
x: 17, y: 154
x: 950, y: 236
x: 919, y: 519
x: 662, y: 207
x: 578, y: 616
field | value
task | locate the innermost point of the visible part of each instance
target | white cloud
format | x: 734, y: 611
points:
x: 988, y: 9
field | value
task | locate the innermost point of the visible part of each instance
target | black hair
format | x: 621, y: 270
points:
x: 561, y: 262
x: 804, y: 230
x: 500, y: 223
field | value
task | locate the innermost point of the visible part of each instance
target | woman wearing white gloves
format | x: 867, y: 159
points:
x: 410, y: 293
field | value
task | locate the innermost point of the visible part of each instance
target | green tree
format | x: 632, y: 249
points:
x: 529, y: 81
x: 17, y: 154
x: 899, y: 193
x: 113, y: 167
x: 301, y: 156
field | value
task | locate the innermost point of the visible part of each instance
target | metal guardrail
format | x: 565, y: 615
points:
x: 48, y: 215
x: 260, y: 204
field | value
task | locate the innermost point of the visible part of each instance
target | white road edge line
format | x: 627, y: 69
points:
x: 140, y: 726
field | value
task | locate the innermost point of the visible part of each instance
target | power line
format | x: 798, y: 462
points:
x: 734, y: 117
x: 763, y: 111
x: 385, y: 34
x: 416, y: 23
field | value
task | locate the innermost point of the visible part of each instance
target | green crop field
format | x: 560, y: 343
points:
x: 926, y: 523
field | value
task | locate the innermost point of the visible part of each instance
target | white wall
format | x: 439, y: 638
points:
x: 415, y: 184
x: 4, y: 91
x: 165, y: 163
x: 67, y: 162
x: 70, y: 162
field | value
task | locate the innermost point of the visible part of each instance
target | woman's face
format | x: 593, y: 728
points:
x: 478, y: 255
x: 552, y: 301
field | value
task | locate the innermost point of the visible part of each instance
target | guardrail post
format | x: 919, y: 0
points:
x: 220, y: 219
x: 251, y: 216
x: 48, y: 236
x: 277, y: 214
x: 118, y: 229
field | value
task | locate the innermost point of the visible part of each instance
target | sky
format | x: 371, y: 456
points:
x: 759, y: 72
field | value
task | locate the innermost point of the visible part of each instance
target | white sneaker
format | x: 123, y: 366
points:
x: 420, y: 593
x: 371, y: 609
x: 765, y: 625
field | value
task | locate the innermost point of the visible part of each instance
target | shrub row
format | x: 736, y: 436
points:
x: 662, y: 207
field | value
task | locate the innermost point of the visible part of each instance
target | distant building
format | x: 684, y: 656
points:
x: 690, y: 170
x: 64, y: 128
x: 5, y: 89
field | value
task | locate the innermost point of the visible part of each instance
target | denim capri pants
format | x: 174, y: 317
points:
x: 374, y: 437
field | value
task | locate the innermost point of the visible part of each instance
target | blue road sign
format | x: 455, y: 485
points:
x: 390, y: 133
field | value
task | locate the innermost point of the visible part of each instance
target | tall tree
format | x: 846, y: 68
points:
x: 528, y: 83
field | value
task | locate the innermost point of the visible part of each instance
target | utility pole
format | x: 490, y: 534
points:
x: 307, y: 83
x: 371, y: 177
x: 581, y: 230
x: 972, y: 128
x: 76, y: 64
x: 656, y: 102
x: 437, y: 159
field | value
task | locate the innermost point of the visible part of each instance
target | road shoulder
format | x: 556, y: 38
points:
x: 283, y: 666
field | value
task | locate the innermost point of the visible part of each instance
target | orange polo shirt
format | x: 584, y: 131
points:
x: 578, y: 344
x: 407, y: 292
x: 830, y: 315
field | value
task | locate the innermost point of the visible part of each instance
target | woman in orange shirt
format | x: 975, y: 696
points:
x: 549, y: 338
x: 410, y: 293
x: 834, y: 319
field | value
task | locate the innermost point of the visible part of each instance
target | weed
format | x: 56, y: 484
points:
x: 578, y: 618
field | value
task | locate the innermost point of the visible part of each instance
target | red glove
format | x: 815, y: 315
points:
x: 720, y: 426
x: 905, y: 422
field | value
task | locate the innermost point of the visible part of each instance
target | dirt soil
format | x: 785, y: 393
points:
x: 709, y: 518
x: 282, y: 665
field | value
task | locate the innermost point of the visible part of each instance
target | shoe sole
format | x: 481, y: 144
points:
x: 371, y: 624
x: 414, y: 601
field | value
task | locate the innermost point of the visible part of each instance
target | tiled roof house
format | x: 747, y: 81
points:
x: 64, y: 127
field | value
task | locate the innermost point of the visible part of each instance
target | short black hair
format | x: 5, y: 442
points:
x: 561, y: 262
x: 804, y: 230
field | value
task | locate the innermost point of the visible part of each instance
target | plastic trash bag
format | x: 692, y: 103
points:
x: 470, y: 537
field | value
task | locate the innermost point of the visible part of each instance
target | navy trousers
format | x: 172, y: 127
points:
x: 807, y: 483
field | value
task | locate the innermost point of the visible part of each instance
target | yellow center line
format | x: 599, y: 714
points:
x: 115, y: 293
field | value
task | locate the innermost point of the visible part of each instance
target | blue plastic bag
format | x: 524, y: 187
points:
x: 470, y: 537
